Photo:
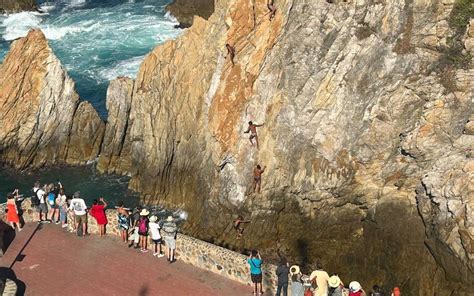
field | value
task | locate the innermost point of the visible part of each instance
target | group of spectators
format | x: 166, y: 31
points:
x: 136, y: 226
x: 319, y: 283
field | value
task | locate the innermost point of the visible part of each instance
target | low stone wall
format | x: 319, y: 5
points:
x: 224, y: 262
x: 221, y: 261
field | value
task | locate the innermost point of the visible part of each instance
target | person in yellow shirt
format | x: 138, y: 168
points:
x: 321, y: 278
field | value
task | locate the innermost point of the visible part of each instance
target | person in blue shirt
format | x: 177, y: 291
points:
x: 255, y: 262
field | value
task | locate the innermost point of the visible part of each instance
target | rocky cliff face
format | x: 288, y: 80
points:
x: 17, y: 5
x: 368, y: 136
x: 367, y: 140
x: 42, y: 120
x: 185, y: 10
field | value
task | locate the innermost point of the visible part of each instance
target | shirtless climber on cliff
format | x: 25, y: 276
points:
x: 257, y: 177
x: 253, y: 132
x: 272, y: 9
x: 230, y: 52
x: 238, y: 227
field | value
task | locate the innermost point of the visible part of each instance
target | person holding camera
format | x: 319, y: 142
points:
x: 255, y: 262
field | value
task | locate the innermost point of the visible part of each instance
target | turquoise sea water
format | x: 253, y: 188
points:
x: 96, y: 40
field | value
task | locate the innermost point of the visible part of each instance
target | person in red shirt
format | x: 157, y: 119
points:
x: 355, y: 289
x: 98, y: 212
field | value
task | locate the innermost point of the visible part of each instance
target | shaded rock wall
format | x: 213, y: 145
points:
x: 17, y: 5
x: 42, y: 120
x: 185, y: 10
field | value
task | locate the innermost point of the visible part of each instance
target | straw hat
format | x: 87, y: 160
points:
x: 144, y: 212
x: 334, y: 281
x: 355, y: 286
x: 153, y: 218
x: 295, y: 269
x: 169, y: 219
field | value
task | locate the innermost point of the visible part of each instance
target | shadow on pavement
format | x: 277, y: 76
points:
x: 7, y: 234
x: 7, y: 273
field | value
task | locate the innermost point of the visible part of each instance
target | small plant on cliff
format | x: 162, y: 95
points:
x: 452, y: 56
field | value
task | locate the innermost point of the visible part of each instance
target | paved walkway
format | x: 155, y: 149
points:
x: 55, y: 262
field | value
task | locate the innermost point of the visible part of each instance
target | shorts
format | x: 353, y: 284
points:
x: 143, y: 233
x: 42, y: 208
x: 54, y: 207
x: 253, y: 136
x: 81, y: 218
x: 156, y: 241
x: 256, y: 278
x: 170, y: 242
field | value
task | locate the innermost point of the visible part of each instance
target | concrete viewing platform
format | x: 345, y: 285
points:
x: 48, y: 260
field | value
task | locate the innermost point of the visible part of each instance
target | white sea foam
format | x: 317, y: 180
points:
x: 47, y: 7
x: 75, y: 3
x: 171, y: 17
x: 18, y: 24
x: 124, y: 68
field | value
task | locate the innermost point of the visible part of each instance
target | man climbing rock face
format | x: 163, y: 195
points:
x: 253, y: 132
x: 230, y: 52
x: 257, y: 177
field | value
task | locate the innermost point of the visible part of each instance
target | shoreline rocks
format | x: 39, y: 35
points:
x: 11, y: 6
x: 42, y: 120
x: 185, y: 10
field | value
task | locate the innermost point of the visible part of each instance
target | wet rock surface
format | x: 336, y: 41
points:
x: 367, y: 138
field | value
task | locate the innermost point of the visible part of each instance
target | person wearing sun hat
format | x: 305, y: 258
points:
x: 335, y: 286
x: 143, y: 229
x: 297, y: 288
x: 169, y: 236
x: 155, y: 235
x: 355, y: 289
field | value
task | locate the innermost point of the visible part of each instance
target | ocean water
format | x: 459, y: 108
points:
x: 85, y: 179
x: 95, y: 40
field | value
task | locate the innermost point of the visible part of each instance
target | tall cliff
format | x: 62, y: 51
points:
x: 368, y: 135
x: 17, y: 5
x: 42, y: 120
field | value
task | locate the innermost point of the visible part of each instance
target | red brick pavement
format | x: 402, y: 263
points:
x: 56, y: 262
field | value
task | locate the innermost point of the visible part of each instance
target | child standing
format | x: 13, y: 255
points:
x: 61, y: 201
x: 155, y: 235
x: 143, y: 229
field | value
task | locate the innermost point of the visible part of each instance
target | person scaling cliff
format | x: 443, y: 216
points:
x: 238, y: 226
x: 230, y: 52
x: 253, y: 132
x: 257, y: 177
x: 272, y: 9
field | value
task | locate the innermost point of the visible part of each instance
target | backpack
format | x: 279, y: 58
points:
x: 142, y: 227
x: 51, y: 198
x: 34, y: 199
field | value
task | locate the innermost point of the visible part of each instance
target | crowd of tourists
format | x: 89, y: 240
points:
x: 136, y: 226
x: 318, y: 283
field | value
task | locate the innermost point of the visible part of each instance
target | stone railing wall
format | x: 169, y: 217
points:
x: 224, y: 262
